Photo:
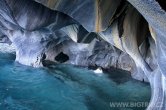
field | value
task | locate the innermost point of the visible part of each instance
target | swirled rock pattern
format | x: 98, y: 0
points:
x: 130, y: 35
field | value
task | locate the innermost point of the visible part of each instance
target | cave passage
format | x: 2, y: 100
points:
x: 123, y: 34
x: 61, y: 57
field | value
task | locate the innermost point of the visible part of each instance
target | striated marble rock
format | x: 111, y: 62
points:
x: 130, y: 35
x: 100, y: 12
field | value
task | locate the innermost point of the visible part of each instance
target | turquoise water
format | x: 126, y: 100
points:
x: 64, y: 87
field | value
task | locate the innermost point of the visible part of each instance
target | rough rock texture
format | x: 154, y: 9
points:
x: 130, y: 35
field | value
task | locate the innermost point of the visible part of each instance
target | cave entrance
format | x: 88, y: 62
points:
x: 61, y: 57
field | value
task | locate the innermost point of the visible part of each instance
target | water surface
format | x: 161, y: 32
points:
x: 64, y: 87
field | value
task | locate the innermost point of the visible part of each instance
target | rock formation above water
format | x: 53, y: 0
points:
x: 130, y: 35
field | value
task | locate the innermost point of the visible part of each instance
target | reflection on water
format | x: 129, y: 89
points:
x: 64, y: 87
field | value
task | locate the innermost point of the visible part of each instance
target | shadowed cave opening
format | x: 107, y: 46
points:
x: 61, y: 57
x: 162, y: 3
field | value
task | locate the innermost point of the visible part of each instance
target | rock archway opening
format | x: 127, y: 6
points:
x: 62, y: 57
